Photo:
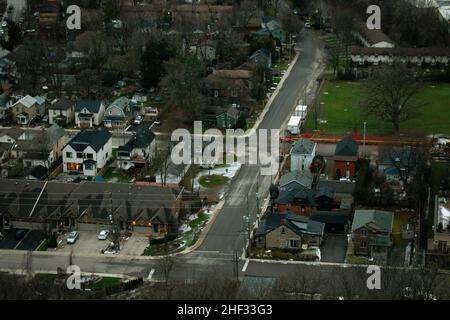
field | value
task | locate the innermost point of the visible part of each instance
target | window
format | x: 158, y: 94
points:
x: 89, y: 156
x: 364, y: 233
x: 69, y: 155
x: 155, y: 228
x: 234, y: 92
x: 107, y: 155
x: 283, y: 231
x: 292, y: 243
x: 79, y: 155
x: 88, y: 166
x: 363, y: 244
x: 216, y: 93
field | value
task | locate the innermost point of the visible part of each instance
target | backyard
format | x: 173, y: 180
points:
x: 339, y: 110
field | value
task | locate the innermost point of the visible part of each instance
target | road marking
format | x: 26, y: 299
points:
x: 200, y: 251
x: 245, y: 265
x: 150, y: 275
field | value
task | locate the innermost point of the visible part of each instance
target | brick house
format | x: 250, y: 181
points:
x: 345, y: 158
x: 229, y: 86
x: 371, y: 232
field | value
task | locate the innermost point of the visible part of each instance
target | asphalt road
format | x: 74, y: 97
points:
x: 228, y: 232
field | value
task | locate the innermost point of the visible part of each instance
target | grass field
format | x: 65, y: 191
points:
x: 212, y: 181
x: 339, y: 110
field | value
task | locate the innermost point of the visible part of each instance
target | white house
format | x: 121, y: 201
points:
x: 89, y: 113
x: 118, y: 113
x: 302, y: 154
x: 137, y: 151
x: 61, y: 111
x: 28, y: 108
x: 88, y: 152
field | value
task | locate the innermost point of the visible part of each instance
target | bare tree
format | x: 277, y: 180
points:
x: 390, y: 95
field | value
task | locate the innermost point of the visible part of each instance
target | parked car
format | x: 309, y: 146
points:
x: 45, y: 118
x: 157, y: 122
x: 138, y: 120
x: 307, y: 25
x: 103, y: 235
x: 72, y: 237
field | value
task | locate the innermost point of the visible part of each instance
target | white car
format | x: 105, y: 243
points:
x: 138, y: 120
x: 307, y: 25
x: 103, y: 235
x: 72, y: 237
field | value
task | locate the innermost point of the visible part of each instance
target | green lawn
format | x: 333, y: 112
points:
x: 43, y: 246
x: 104, y: 282
x: 213, y: 180
x: 339, y: 105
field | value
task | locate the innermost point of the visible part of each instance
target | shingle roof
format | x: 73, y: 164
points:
x: 373, y: 36
x: 27, y: 101
x: 92, y: 106
x: 333, y: 217
x: 376, y: 220
x: 90, y: 137
x: 142, y: 139
x: 303, y: 146
x: 62, y: 104
x: 298, y: 224
x: 305, y: 178
x: 295, y: 194
x: 347, y: 147
x: 337, y: 186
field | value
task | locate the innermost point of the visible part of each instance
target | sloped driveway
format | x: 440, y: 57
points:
x: 334, y: 248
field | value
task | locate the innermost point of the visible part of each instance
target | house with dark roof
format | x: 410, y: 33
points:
x: 87, y: 152
x: 153, y: 211
x: 5, y: 104
x: 226, y: 85
x: 371, y: 232
x: 288, y: 231
x: 89, y: 113
x: 342, y: 191
x: 261, y: 57
x: 302, y: 154
x: 337, y: 221
x: 297, y: 199
x: 345, y: 158
x: 397, y: 164
x: 372, y: 38
x: 61, y: 111
x: 302, y: 178
x: 118, y: 113
x: 137, y: 151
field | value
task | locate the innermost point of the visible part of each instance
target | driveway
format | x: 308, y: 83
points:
x: 334, y: 248
x: 31, y: 241
x: 87, y: 243
x: 10, y: 241
x: 134, y: 246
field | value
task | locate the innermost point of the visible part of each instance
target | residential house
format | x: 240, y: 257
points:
x: 262, y: 57
x: 40, y: 147
x: 302, y: 154
x: 342, y: 190
x: 88, y: 152
x: 5, y: 105
x: 272, y: 28
x: 205, y: 50
x: 8, y: 70
x: 118, y: 113
x: 137, y: 151
x: 28, y: 108
x: 61, y: 111
x: 228, y: 118
x: 301, y: 178
x: 335, y: 221
x: 151, y: 211
x: 440, y: 242
x: 89, y: 113
x: 397, y: 165
x: 297, y: 199
x: 372, y: 38
x: 229, y: 85
x: 371, y: 232
x: 345, y: 158
x: 289, y: 231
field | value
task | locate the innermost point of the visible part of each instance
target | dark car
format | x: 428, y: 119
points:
x: 20, y: 234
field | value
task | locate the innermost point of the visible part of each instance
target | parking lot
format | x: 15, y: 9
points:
x: 88, y: 243
x: 29, y: 241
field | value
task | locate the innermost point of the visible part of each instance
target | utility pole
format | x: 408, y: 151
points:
x: 115, y: 227
x: 364, y: 140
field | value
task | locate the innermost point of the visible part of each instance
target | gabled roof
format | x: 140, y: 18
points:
x: 94, y: 138
x: 303, y: 146
x: 337, y: 186
x: 373, y: 36
x: 325, y: 192
x: 295, y: 194
x: 62, y: 104
x: 93, y: 106
x: 27, y: 101
x: 262, y: 51
x: 141, y: 139
x: 347, y: 147
x: 120, y: 103
x: 304, y: 178
x: 375, y: 220
x: 300, y: 225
